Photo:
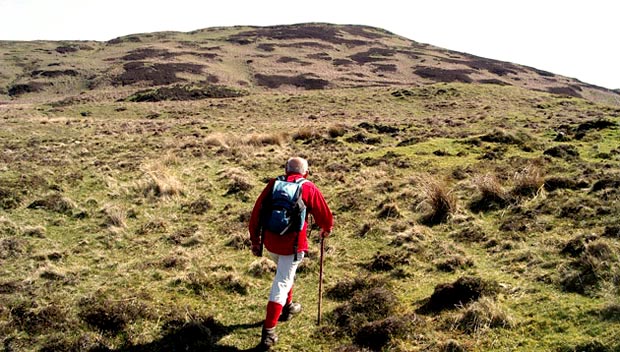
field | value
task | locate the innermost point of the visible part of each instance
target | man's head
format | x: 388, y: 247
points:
x: 297, y: 165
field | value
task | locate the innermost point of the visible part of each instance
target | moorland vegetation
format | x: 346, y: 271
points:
x: 470, y: 215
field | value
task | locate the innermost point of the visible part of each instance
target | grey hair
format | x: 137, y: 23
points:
x: 297, y: 164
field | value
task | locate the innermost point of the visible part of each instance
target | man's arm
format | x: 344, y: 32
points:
x: 254, y: 224
x: 321, y: 212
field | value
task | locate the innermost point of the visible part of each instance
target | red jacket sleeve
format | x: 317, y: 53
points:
x: 319, y: 209
x: 254, y: 225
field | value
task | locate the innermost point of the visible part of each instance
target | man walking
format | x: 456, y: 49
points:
x: 287, y: 247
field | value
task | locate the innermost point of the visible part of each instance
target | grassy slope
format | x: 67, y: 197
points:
x: 160, y: 258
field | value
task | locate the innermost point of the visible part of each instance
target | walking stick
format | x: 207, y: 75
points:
x: 318, y: 322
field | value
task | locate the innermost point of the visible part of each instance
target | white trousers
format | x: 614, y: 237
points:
x: 285, y: 276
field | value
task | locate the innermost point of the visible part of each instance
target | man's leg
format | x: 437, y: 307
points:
x: 291, y: 308
x: 280, y: 290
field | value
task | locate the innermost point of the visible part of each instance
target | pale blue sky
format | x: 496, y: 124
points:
x: 572, y: 38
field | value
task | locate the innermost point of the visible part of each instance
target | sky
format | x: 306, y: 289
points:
x: 578, y: 39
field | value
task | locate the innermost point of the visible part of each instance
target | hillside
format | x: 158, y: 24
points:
x: 468, y: 216
x: 304, y: 56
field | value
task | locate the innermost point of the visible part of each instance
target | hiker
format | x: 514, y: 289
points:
x: 288, y: 249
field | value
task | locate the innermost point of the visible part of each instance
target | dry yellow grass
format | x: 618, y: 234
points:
x: 438, y: 200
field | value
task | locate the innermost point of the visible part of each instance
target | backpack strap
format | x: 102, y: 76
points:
x: 300, y: 181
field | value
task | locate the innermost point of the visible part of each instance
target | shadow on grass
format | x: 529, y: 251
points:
x: 197, y: 335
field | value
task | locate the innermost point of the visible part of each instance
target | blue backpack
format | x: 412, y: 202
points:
x: 285, y: 211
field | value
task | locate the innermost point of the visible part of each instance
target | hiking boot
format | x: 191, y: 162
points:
x: 268, y: 339
x: 289, y: 311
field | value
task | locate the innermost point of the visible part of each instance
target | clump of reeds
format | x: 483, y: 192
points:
x: 528, y: 182
x: 438, y: 199
x: 492, y: 196
x: 159, y: 183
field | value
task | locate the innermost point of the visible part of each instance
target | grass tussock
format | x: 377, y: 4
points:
x: 239, y: 241
x: 238, y: 180
x: 34, y: 231
x: 388, y: 261
x: 389, y: 211
x: 262, y: 267
x: 201, y: 283
x: 364, y: 307
x: 453, y: 263
x: 336, y: 131
x: 159, y: 182
x: 438, y: 199
x: 187, y: 236
x: 481, y: 315
x: 55, y: 202
x: 9, y: 198
x: 199, y: 206
x: 377, y: 335
x: 263, y: 139
x: 227, y: 140
x: 529, y: 182
x: 8, y: 227
x: 345, y: 289
x: 464, y: 290
x: 154, y: 225
x: 502, y: 136
x: 174, y: 261
x: 12, y: 247
x: 112, y: 315
x: 595, y: 261
x: 218, y: 139
x: 114, y: 216
x: 493, y: 196
x: 306, y: 133
x: 35, y: 318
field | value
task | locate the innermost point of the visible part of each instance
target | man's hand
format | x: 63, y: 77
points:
x: 256, y: 250
x: 324, y: 234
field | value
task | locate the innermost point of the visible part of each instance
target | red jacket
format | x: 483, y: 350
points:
x: 283, y: 245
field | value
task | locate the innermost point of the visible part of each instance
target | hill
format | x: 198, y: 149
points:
x: 304, y: 56
x: 469, y: 216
